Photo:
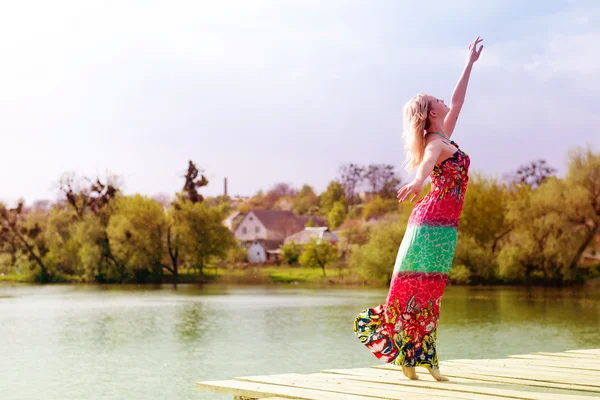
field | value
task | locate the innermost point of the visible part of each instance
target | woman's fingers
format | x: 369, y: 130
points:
x: 402, y: 193
x: 406, y: 193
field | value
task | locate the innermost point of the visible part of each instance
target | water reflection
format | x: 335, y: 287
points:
x: 191, y: 322
x: 154, y: 343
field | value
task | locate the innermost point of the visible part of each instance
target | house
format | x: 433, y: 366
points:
x: 264, y: 231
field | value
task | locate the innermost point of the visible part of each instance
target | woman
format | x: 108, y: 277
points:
x: 403, y: 330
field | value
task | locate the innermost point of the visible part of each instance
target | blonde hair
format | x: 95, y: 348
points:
x: 416, y: 122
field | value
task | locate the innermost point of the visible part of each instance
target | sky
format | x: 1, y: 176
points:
x: 268, y: 91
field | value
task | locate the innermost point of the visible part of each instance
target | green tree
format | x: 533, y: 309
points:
x: 290, y: 253
x: 378, y: 207
x: 63, y: 249
x: 333, y: 194
x: 93, y: 204
x: 375, y: 260
x: 337, y: 215
x: 306, y: 201
x: 318, y: 255
x: 136, y: 232
x: 544, y: 239
x: 203, y: 236
x: 483, y: 226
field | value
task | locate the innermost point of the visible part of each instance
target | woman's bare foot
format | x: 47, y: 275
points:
x: 436, y: 375
x: 410, y: 373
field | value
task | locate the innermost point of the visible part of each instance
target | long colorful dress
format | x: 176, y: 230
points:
x: 403, y: 330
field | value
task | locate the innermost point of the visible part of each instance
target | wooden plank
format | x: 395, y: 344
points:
x: 463, y: 387
x: 261, y: 391
x: 560, y: 361
x: 519, y: 369
x: 376, y: 391
x: 397, y: 384
x: 588, y: 383
x: 585, y: 351
x: 586, y: 359
x: 525, y: 374
x: 582, y: 356
x: 521, y: 372
x: 565, y: 366
x: 453, y: 372
x: 516, y: 365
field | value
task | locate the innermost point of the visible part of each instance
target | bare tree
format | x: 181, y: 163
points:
x: 533, y: 174
x: 383, y: 180
x: 192, y: 183
x: 351, y: 177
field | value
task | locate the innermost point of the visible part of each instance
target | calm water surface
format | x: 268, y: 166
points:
x: 140, y: 342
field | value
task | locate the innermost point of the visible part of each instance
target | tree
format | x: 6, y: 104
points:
x: 63, y: 249
x: 383, y: 180
x: 583, y: 178
x: 534, y: 173
x: 351, y: 177
x: 192, y: 183
x: 202, y: 234
x: 94, y: 201
x: 306, y: 201
x: 318, y: 255
x: 375, y: 260
x: 136, y: 232
x: 337, y: 215
x: 279, y: 191
x: 483, y: 228
x: 290, y: 253
x: 23, y: 233
x: 378, y: 207
x: 334, y: 193
x: 544, y: 240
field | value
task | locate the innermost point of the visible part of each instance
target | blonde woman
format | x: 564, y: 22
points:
x: 403, y: 330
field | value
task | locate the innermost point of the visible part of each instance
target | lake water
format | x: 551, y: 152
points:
x: 141, y: 342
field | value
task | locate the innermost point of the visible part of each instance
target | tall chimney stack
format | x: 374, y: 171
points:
x: 225, y: 188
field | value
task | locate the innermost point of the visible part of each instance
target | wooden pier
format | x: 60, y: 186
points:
x: 568, y: 375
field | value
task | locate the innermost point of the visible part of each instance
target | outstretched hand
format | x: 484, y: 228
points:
x: 413, y: 188
x: 473, y: 51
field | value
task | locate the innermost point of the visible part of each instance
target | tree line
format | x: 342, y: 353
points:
x: 530, y: 227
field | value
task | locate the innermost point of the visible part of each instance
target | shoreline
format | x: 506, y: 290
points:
x: 278, y: 276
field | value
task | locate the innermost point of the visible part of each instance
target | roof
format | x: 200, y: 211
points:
x: 233, y: 220
x: 269, y: 245
x: 349, y: 224
x: 282, y: 224
x: 310, y: 233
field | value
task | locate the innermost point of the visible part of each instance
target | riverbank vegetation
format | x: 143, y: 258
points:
x: 531, y: 227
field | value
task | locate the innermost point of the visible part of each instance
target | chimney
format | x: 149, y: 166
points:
x: 225, y: 188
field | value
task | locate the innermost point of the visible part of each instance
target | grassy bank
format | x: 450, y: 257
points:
x: 262, y: 275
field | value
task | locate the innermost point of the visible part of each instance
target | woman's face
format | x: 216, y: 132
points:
x: 437, y: 108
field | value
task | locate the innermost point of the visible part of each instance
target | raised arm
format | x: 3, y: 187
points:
x: 458, y: 97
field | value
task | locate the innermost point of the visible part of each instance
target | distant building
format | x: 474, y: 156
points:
x: 264, y: 231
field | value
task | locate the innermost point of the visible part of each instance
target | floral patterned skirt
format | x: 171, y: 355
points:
x: 403, y: 331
